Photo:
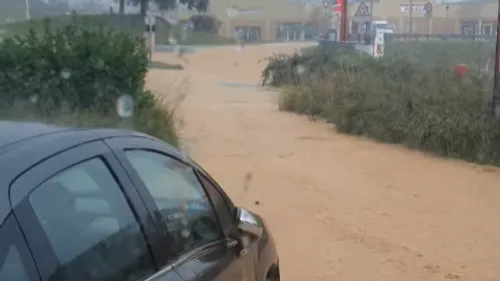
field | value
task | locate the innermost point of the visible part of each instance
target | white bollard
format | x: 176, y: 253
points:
x: 150, y: 26
x: 378, y: 44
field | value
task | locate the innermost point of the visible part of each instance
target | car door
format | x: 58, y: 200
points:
x: 201, y: 247
x: 84, y: 220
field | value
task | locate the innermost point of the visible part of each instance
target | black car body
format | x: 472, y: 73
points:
x: 115, y: 205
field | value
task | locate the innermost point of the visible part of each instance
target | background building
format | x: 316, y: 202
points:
x: 459, y: 17
x: 280, y: 19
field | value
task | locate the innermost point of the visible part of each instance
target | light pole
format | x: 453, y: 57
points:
x: 28, y: 15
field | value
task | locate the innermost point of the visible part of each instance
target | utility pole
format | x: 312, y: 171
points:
x: 495, y: 102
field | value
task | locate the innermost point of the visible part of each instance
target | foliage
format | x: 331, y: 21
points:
x: 205, y: 23
x: 79, y: 70
x: 399, y: 99
x: 203, y: 38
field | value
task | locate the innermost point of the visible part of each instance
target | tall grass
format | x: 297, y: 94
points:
x: 397, y: 99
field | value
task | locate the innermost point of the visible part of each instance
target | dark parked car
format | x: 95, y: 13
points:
x: 114, y: 205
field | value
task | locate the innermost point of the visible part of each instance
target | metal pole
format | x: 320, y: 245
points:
x: 343, y: 21
x: 371, y: 10
x: 447, y: 16
x: 495, y: 103
x: 28, y: 14
x: 411, y: 17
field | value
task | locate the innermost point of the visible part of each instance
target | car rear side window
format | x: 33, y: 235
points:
x: 90, y: 226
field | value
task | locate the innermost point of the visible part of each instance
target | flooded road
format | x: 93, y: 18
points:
x: 340, y: 207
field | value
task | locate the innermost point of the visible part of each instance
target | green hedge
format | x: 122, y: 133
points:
x: 75, y: 74
x: 396, y: 100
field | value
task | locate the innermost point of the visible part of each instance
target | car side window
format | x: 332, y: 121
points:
x: 90, y: 226
x: 180, y: 198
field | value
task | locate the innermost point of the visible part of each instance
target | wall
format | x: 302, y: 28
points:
x: 443, y: 20
x: 266, y: 14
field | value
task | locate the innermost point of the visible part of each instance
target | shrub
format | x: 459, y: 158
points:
x: 205, y: 23
x: 79, y: 71
x: 397, y: 100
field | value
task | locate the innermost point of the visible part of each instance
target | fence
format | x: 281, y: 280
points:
x: 442, y: 37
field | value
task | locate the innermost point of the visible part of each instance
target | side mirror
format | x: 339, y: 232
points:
x: 248, y: 224
x: 250, y: 229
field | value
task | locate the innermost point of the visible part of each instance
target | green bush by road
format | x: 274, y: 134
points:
x: 74, y: 74
x: 410, y: 97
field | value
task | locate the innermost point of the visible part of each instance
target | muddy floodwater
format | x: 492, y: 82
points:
x: 340, y: 207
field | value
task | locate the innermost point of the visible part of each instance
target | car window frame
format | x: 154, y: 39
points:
x: 230, y: 230
x: 44, y: 256
x: 11, y: 230
x: 227, y: 200
x: 119, y: 145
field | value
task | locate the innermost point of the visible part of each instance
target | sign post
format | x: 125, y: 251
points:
x: 495, y: 102
x: 150, y: 27
x: 343, y: 21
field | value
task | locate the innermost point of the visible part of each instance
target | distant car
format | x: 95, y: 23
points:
x: 114, y: 205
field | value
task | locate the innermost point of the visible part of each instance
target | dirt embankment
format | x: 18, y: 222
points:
x: 341, y: 208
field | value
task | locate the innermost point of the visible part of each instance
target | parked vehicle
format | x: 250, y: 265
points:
x: 381, y: 25
x: 114, y: 205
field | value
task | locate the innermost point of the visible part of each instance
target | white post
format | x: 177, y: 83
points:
x: 150, y: 25
x: 28, y: 14
x: 151, y: 42
x: 378, y: 44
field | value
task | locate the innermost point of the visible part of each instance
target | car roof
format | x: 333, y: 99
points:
x: 12, y: 132
x: 24, y: 144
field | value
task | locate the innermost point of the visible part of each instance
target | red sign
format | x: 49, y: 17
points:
x: 338, y: 9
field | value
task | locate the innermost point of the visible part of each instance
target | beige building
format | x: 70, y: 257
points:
x: 451, y: 18
x: 292, y: 20
x: 263, y: 18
